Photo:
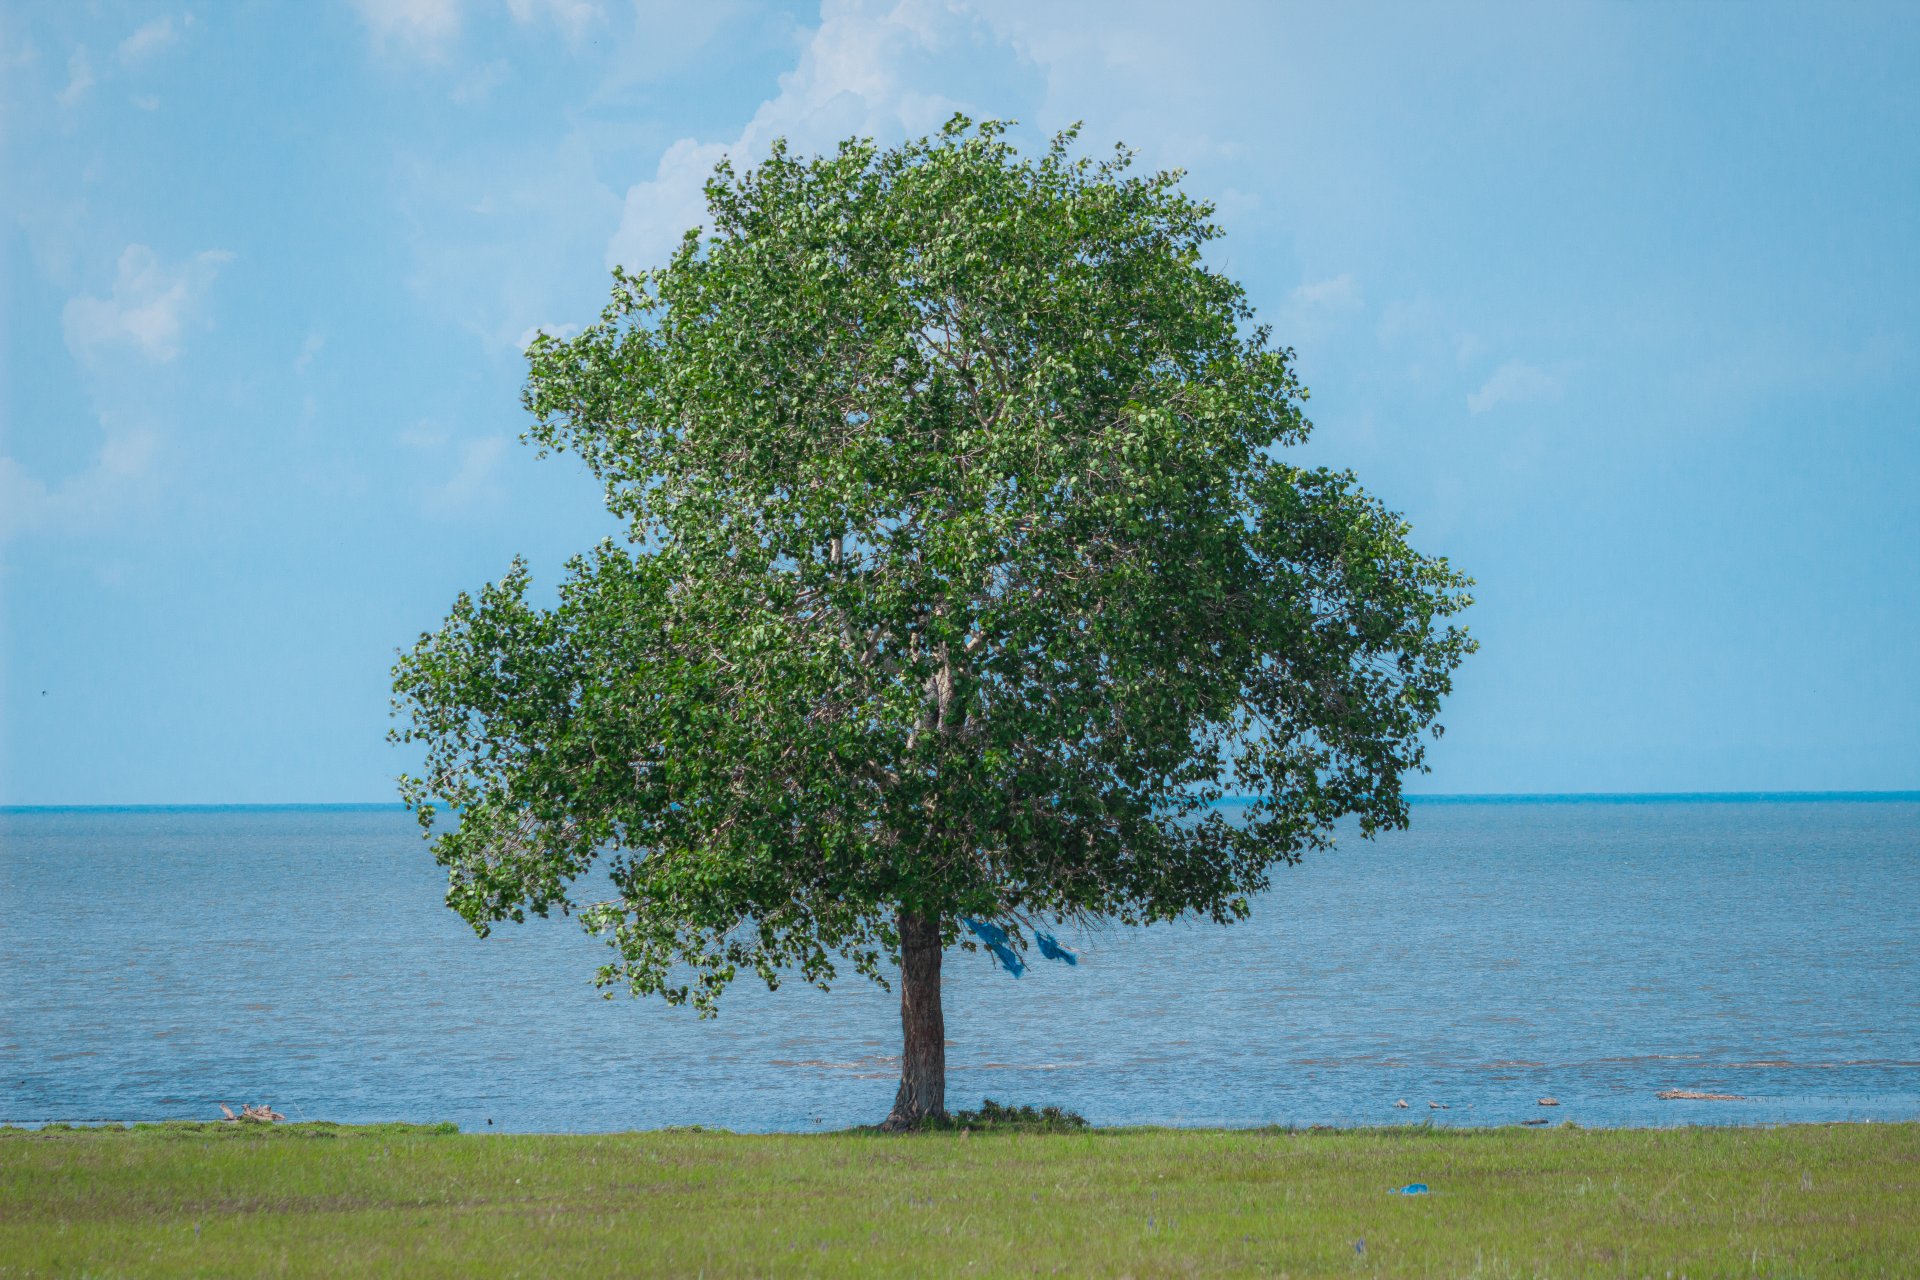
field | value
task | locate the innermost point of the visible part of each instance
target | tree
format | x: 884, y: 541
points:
x: 966, y: 575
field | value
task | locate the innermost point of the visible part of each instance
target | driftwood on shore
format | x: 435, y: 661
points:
x: 258, y: 1112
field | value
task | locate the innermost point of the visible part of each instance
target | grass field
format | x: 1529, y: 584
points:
x: 1840, y: 1200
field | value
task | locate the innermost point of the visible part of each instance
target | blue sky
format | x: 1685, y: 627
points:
x: 1620, y: 304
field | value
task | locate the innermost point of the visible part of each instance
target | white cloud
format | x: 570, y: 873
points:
x: 561, y: 331
x: 1342, y: 293
x: 79, y: 78
x: 150, y: 39
x: 146, y: 102
x: 500, y: 237
x: 461, y: 476
x: 859, y: 74
x: 425, y: 28
x: 478, y: 85
x: 121, y: 471
x: 473, y: 480
x: 425, y: 434
x: 421, y: 28
x: 571, y: 16
x: 16, y: 53
x: 315, y: 343
x: 1415, y: 322
x: 1513, y: 383
x: 149, y: 307
x: 1428, y: 335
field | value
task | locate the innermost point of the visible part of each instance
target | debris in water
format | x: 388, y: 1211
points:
x: 1402, y: 1104
x: 1438, y: 1106
x: 1549, y: 1102
x: 1694, y: 1095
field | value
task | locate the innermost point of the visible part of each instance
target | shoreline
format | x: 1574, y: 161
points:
x: 449, y: 1127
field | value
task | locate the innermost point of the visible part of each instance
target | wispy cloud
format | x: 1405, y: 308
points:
x: 1514, y: 382
x: 150, y: 39
x: 478, y: 85
x: 79, y: 78
x: 572, y: 16
x: 461, y: 475
x: 122, y: 469
x: 474, y: 481
x: 562, y: 331
x: 854, y: 77
x: 426, y: 29
x: 312, y: 347
x: 420, y: 28
x: 471, y: 479
x: 149, y: 306
x: 1341, y: 293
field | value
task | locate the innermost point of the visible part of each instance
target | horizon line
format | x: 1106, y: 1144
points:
x: 1436, y: 797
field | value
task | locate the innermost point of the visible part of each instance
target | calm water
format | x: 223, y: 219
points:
x: 156, y: 963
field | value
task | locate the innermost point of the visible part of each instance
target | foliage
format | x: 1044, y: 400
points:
x: 966, y: 573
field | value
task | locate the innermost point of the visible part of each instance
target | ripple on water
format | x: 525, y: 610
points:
x: 1488, y: 956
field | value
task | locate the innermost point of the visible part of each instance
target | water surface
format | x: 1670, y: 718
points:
x: 154, y: 963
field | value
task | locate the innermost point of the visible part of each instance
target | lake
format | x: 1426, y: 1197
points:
x: 157, y: 962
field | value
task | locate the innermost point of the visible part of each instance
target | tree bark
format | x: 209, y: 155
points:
x: 923, y: 1060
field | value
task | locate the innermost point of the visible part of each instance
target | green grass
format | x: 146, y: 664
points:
x: 1840, y: 1200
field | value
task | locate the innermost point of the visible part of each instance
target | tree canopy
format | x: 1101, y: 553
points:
x: 966, y: 573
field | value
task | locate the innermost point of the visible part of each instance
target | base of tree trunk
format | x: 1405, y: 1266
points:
x: 923, y: 1059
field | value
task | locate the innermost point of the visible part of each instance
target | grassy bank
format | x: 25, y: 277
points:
x: 320, y: 1200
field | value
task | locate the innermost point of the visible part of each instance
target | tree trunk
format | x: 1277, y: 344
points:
x: 923, y: 1060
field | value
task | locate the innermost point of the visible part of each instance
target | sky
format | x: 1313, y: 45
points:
x: 1618, y: 304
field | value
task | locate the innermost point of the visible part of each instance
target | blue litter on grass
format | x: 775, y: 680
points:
x: 1411, y: 1189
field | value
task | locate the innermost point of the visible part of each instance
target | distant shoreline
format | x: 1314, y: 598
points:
x: 1473, y: 798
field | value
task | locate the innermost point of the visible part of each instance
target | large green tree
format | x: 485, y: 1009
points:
x: 966, y: 572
